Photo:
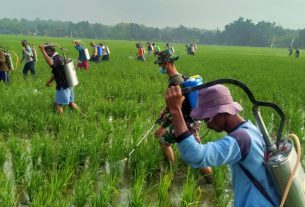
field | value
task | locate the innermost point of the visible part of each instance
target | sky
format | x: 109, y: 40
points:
x: 202, y: 14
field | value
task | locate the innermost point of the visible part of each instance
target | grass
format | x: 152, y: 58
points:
x: 74, y: 160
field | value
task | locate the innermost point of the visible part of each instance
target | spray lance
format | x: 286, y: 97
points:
x: 146, y: 134
x: 281, y: 159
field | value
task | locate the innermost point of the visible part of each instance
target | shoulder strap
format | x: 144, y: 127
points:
x: 257, y: 184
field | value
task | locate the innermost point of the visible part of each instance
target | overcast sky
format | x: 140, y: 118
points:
x: 203, y: 14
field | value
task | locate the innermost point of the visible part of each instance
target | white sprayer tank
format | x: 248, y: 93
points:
x: 70, y: 73
x: 279, y: 166
x: 87, y: 53
x: 9, y: 61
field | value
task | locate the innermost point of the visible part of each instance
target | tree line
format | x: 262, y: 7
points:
x: 242, y: 32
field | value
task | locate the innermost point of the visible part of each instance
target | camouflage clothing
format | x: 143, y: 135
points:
x: 169, y: 136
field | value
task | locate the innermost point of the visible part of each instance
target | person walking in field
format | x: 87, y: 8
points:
x: 192, y: 48
x: 140, y: 53
x: 94, y: 57
x: 64, y: 94
x: 242, y: 148
x: 82, y: 60
x: 290, y: 51
x: 297, y: 52
x: 4, y: 69
x: 166, y: 132
x: 28, y: 59
x: 169, y: 47
x: 149, y: 48
x: 156, y: 49
x: 106, y: 52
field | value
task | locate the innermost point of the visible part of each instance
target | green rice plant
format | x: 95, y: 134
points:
x: 105, y: 192
x: 190, y: 193
x: 20, y: 161
x: 83, y: 189
x: 7, y: 191
x: 164, y: 186
x: 136, y: 198
x: 2, y: 153
x: 222, y: 194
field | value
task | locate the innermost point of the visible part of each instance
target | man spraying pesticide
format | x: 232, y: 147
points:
x: 28, y: 58
x: 166, y: 132
x: 83, y: 55
x: 6, y: 64
x: 264, y: 173
x: 64, y: 78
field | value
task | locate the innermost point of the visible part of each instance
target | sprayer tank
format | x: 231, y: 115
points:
x: 280, y: 165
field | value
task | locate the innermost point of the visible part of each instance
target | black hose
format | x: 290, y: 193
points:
x: 188, y: 90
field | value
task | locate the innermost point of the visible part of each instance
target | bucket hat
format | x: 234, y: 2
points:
x: 215, y: 100
x: 165, y: 56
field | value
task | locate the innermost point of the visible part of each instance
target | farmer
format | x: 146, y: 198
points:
x: 64, y: 93
x: 4, y: 69
x: 242, y: 148
x: 27, y: 57
x: 297, y: 52
x: 187, y: 49
x: 192, y: 48
x: 149, y: 48
x: 290, y: 51
x: 156, y: 49
x: 166, y: 132
x: 82, y: 60
x: 169, y: 47
x: 94, y: 57
x: 140, y: 53
x: 106, y: 52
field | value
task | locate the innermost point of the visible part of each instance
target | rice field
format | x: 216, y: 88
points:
x: 78, y: 160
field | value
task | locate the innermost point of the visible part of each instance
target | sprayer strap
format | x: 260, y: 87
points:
x: 257, y: 184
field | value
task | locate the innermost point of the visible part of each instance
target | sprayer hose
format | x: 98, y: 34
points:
x: 17, y: 58
x: 293, y: 172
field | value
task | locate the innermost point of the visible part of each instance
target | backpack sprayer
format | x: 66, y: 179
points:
x: 195, y: 80
x: 281, y: 159
x: 69, y: 70
x: 9, y: 59
x: 34, y: 52
x: 86, y: 51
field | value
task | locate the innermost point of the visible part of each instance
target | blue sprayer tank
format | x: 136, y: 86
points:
x: 193, y: 96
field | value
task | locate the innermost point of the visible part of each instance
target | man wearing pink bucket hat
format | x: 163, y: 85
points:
x: 242, y: 148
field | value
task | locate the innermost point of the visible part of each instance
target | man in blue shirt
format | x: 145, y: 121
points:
x: 82, y: 59
x: 242, y: 147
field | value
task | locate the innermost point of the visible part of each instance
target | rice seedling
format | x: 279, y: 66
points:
x: 191, y: 193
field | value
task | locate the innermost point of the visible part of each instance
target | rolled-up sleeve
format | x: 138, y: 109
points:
x: 223, y: 151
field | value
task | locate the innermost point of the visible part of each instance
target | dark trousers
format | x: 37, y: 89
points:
x: 30, y: 66
x: 105, y: 57
x: 4, y: 76
x: 95, y: 59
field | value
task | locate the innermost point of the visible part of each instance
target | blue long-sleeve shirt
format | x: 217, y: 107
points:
x: 81, y: 52
x: 245, y: 146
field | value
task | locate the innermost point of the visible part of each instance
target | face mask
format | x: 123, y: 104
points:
x: 162, y: 70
